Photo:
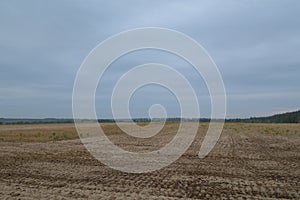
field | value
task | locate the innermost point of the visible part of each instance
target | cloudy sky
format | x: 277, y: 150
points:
x: 254, y: 43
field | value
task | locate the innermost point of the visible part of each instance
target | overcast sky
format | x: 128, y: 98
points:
x: 255, y: 44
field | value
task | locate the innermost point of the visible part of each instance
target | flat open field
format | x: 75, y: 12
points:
x: 250, y: 161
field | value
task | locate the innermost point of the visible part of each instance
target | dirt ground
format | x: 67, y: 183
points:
x: 250, y: 161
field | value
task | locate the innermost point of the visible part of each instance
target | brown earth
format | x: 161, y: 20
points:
x: 250, y: 161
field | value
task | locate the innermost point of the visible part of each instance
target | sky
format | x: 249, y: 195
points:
x: 254, y: 43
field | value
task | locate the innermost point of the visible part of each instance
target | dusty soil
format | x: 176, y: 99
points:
x: 250, y: 161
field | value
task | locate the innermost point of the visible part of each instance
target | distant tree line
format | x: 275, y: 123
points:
x: 289, y: 117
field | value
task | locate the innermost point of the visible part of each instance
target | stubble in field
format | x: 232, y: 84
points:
x: 250, y: 161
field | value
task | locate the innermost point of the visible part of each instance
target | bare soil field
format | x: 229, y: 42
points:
x: 250, y: 161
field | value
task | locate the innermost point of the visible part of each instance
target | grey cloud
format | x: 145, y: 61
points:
x: 255, y: 44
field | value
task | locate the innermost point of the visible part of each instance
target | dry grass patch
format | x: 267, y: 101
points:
x: 57, y: 132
